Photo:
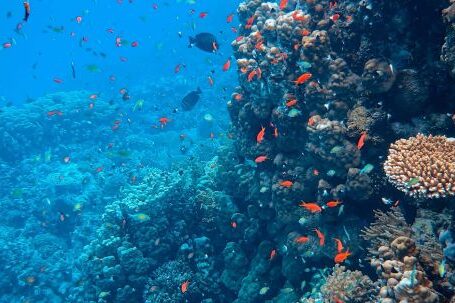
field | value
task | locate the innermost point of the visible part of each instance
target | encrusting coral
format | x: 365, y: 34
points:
x: 422, y: 166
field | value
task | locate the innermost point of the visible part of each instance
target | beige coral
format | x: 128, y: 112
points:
x: 348, y: 286
x: 422, y: 166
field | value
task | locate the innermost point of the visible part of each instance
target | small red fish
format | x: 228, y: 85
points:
x: 178, y: 67
x: 339, y: 245
x: 238, y: 97
x: 58, y: 80
x: 272, y: 254
x: 234, y: 29
x: 305, y: 32
x: 79, y: 19
x: 333, y: 203
x: 134, y: 44
x: 229, y: 18
x: 66, y: 159
x: 184, y: 286
x: 311, y: 207
x: 260, y: 135
x: 234, y: 224
x: 99, y: 169
x: 249, y: 22
x: 297, y: 17
x: 361, y: 141
x: 123, y: 59
x: 283, y: 4
x: 286, y: 183
x: 7, y: 45
x: 210, y: 79
x: 260, y: 159
x: 303, y: 78
x: 342, y: 256
x: 291, y: 102
x: 163, y: 121
x: 301, y: 240
x: 275, y: 132
x: 54, y: 113
x: 93, y: 96
x: 227, y: 65
x: 155, y: 6
x: 320, y: 236
x: 251, y: 75
x: 202, y: 15
x: 335, y: 17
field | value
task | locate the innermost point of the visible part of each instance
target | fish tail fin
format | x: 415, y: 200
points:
x: 192, y: 40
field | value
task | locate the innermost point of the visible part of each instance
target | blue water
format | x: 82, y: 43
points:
x: 135, y: 169
x: 40, y: 54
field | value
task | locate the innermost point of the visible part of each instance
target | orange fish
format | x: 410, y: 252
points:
x: 342, y: 256
x: 234, y: 224
x: 339, y: 245
x: 260, y: 135
x: 361, y: 141
x: 305, y: 32
x: 178, y: 67
x: 227, y: 65
x: 286, y: 183
x: 333, y: 203
x: 238, y: 97
x: 184, y: 286
x: 301, y: 240
x: 320, y: 236
x: 337, y: 300
x: 210, y: 79
x: 249, y: 22
x: 303, y: 78
x: 260, y: 159
x: 54, y: 112
x: 275, y: 132
x: 229, y: 18
x: 291, y: 102
x: 311, y: 207
x: 251, y: 75
x: 311, y: 121
x: 296, y: 17
x: 163, y: 121
x: 259, y: 45
x: 283, y: 4
x: 335, y: 17
x: 272, y: 254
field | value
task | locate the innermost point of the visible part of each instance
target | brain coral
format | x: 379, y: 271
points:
x: 422, y: 166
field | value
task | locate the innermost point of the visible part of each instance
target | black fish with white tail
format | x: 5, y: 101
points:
x: 204, y: 41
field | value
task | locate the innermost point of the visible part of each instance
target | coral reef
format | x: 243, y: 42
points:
x: 422, y: 166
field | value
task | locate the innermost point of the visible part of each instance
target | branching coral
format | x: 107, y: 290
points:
x: 422, y: 166
x: 387, y: 227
